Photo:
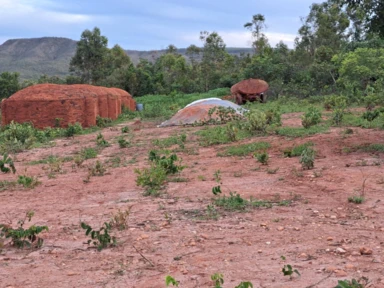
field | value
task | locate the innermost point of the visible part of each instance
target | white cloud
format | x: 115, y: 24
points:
x: 243, y: 39
x: 35, y: 12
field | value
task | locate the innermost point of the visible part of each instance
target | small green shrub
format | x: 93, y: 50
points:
x: 100, y: 141
x: 169, y: 280
x: 297, y: 150
x: 21, y: 237
x: 334, y: 101
x: 73, y: 130
x: 262, y: 157
x: 88, y: 153
x: 256, y: 121
x: 356, y: 199
x: 170, y: 141
x: 151, y: 178
x: 168, y: 163
x: 99, y: 238
x: 234, y: 202
x: 352, y: 283
x: 273, y: 117
x: 6, y: 164
x: 307, y: 158
x: 123, y: 143
x: 311, y: 118
x: 125, y: 129
x: 28, y: 182
x: 371, y: 115
x: 97, y: 169
x: 337, y: 116
x: 103, y: 122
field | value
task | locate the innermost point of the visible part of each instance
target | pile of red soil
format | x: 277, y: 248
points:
x: 43, y: 104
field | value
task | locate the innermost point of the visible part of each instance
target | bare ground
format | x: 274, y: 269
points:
x: 170, y: 235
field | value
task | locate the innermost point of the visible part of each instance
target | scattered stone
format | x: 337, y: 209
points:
x: 259, y: 251
x: 377, y: 260
x: 330, y: 239
x: 355, y: 253
x: 71, y: 273
x: 296, y: 229
x: 303, y: 256
x: 340, y: 251
x: 352, y: 259
x: 263, y: 224
x: 333, y: 217
x: 331, y: 269
x: 365, y: 251
x: 350, y: 267
x: 144, y: 236
x: 268, y: 243
x: 340, y: 273
x: 280, y: 228
x: 204, y: 236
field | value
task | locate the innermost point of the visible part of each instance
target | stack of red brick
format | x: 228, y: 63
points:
x: 44, y: 103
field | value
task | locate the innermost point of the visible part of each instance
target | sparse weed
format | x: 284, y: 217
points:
x: 21, y: 237
x: 101, y: 142
x: 119, y: 220
x: 262, y: 157
x: 125, y: 129
x: 103, y: 122
x: 123, y: 143
x: 297, y: 150
x: 356, y: 199
x: 272, y: 171
x: 233, y: 202
x: 88, y: 153
x: 6, y: 164
x: 311, y: 118
x: 169, y: 280
x: 243, y: 150
x: 28, y: 182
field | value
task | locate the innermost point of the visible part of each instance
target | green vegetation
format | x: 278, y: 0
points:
x: 6, y: 164
x: 170, y: 141
x: 51, y: 159
x: 99, y: 238
x: 103, y: 122
x: 297, y: 150
x: 21, y: 237
x: 28, y: 181
x: 88, y: 153
x: 311, y: 118
x: 123, y: 143
x: 218, y: 135
x: 301, y: 132
x: 243, y: 150
x: 101, y: 142
x: 262, y: 157
x: 5, y: 185
x: 307, y: 158
x: 356, y: 199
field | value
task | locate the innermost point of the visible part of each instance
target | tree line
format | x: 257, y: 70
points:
x: 339, y: 49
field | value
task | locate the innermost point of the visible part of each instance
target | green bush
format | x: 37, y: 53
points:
x: 311, y: 118
x: 6, y: 164
x: 307, y: 158
x: 28, y: 182
x: 256, y: 121
x: 262, y: 158
x: 103, y: 122
x: 151, y: 178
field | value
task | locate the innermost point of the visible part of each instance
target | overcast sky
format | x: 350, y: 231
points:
x: 151, y: 24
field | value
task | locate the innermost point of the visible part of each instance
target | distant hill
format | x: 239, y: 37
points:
x: 51, y: 56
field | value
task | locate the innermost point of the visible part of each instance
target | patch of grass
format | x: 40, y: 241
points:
x: 243, y: 150
x: 356, y: 199
x: 51, y: 159
x: 262, y: 157
x: 356, y: 120
x: 234, y: 202
x: 28, y: 182
x: 170, y: 141
x: 376, y: 147
x: 272, y: 171
x: 300, y: 131
x: 178, y: 180
x: 218, y: 135
x: 307, y: 158
x: 5, y: 185
x: 297, y: 150
x: 123, y: 143
x: 88, y: 153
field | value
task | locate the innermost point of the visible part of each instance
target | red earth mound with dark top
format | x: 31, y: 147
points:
x: 44, y: 103
x: 249, y: 90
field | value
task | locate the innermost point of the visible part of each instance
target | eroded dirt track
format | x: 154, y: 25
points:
x: 319, y: 233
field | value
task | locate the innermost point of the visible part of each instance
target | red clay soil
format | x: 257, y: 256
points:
x: 42, y: 104
x: 320, y: 234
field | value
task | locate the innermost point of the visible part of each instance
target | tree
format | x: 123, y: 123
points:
x: 260, y: 41
x: 9, y: 84
x: 90, y: 58
x: 373, y: 13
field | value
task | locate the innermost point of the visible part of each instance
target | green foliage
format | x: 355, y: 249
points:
x: 97, y: 169
x: 88, y: 153
x: 245, y: 285
x: 337, y: 116
x: 222, y: 115
x: 73, y: 130
x: 297, y: 150
x: 374, y: 147
x: 288, y: 271
x: 100, y: 141
x: 6, y: 164
x: 21, y: 237
x: 169, y: 280
x: 371, y: 115
x: 307, y: 158
x: 99, y: 238
x: 233, y: 202
x: 273, y: 116
x: 243, y: 150
x: 334, y: 101
x: 125, y: 129
x: 103, y: 122
x: 356, y: 199
x: 219, y: 135
x: 151, y: 178
x: 262, y: 157
x: 28, y: 182
x: 5, y: 185
x: 123, y: 143
x: 311, y: 118
x: 301, y: 132
x: 217, y: 189
x: 256, y: 121
x: 167, y: 163
x: 9, y: 84
x: 218, y: 279
x: 170, y: 141
x: 350, y: 284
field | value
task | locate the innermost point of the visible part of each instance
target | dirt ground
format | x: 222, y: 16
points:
x: 319, y: 233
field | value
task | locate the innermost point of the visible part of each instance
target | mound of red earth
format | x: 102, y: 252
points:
x: 249, y: 90
x: 44, y: 104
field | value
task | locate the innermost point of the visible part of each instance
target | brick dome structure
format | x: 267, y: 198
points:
x: 42, y: 104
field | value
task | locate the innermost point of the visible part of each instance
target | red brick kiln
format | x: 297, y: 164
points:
x: 42, y: 104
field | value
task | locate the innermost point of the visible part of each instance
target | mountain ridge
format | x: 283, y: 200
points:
x: 33, y: 57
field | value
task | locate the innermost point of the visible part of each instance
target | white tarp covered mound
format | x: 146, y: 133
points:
x: 197, y: 111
